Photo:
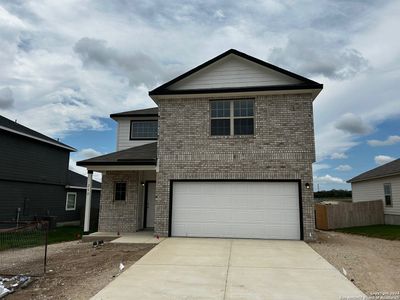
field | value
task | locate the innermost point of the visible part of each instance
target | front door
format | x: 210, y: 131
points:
x: 150, y: 203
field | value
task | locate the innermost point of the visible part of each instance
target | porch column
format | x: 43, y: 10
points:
x: 86, y: 226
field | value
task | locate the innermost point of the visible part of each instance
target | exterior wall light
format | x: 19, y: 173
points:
x: 307, y: 185
x: 142, y: 183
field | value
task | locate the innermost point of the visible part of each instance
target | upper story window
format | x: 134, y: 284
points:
x: 232, y: 117
x: 144, y: 130
x: 387, y: 187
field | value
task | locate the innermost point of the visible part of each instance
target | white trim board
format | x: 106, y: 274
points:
x: 101, y: 168
x: 80, y: 188
x: 314, y: 93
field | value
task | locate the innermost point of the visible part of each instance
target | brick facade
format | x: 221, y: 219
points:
x: 282, y: 148
x: 119, y: 216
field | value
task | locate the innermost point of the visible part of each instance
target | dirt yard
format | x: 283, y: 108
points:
x: 373, y: 264
x: 75, y: 270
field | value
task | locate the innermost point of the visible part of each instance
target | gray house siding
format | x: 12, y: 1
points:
x: 33, y: 179
x: 36, y: 199
x: 282, y: 148
x: 33, y: 199
x: 24, y: 159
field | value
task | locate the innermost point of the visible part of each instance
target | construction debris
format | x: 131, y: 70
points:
x: 9, y: 285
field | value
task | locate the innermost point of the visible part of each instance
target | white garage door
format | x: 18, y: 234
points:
x: 265, y: 210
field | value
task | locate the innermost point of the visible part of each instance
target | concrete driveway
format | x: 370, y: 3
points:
x: 197, y: 268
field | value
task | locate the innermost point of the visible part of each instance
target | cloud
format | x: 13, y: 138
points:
x: 6, y: 98
x: 318, y: 166
x: 137, y: 66
x: 219, y: 14
x: 327, y: 179
x: 81, y: 155
x: 338, y: 155
x: 383, y: 159
x: 88, y: 153
x: 343, y: 168
x: 70, y: 68
x: 352, y: 124
x: 330, y: 58
x: 83, y: 171
x: 391, y: 140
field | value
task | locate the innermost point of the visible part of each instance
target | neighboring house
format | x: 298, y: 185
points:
x: 34, y: 177
x: 381, y: 183
x: 76, y: 197
x: 227, y: 153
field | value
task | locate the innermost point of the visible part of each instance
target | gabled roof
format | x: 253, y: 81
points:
x: 14, y: 127
x: 140, y: 155
x: 389, y: 169
x: 304, y: 83
x: 147, y: 112
x: 78, y: 180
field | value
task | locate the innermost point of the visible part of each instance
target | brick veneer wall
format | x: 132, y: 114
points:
x: 282, y: 148
x: 119, y: 216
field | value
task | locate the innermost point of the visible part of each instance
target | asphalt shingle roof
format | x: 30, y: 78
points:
x: 75, y: 179
x: 23, y: 130
x: 391, y: 168
x: 140, y: 155
x: 147, y: 112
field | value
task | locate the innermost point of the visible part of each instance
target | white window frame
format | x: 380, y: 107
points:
x: 232, y: 117
x: 66, y: 201
x: 390, y: 194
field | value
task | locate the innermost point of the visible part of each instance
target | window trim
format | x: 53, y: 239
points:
x: 142, y: 138
x: 391, y: 194
x: 115, y: 190
x: 66, y: 201
x: 232, y: 118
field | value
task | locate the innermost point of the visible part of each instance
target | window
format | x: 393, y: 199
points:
x: 232, y: 117
x: 144, y: 130
x: 387, y: 187
x: 119, y: 191
x: 71, y: 201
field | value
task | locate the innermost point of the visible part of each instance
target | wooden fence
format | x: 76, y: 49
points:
x: 342, y: 214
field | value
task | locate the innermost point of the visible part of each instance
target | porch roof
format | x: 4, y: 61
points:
x: 140, y: 155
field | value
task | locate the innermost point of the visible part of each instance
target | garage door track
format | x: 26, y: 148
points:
x: 200, y: 268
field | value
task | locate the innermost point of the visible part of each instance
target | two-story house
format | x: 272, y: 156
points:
x: 34, y: 178
x: 227, y: 153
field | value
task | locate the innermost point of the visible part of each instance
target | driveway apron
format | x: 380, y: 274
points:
x: 206, y: 268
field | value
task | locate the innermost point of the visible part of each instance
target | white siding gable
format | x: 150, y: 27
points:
x: 373, y: 190
x: 123, y: 138
x: 233, y: 71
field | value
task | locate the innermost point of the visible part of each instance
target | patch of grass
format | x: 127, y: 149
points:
x: 65, y: 234
x: 387, y: 232
x: 32, y: 238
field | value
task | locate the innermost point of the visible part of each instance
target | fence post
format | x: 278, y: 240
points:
x: 45, y: 247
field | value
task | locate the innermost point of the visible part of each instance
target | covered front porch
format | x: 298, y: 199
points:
x: 127, y: 202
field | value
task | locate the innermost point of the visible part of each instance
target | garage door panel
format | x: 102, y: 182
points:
x: 236, y: 209
x: 275, y: 217
x: 248, y: 216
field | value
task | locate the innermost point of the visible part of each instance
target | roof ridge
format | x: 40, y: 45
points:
x: 306, y: 83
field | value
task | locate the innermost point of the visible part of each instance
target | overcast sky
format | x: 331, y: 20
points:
x: 66, y: 65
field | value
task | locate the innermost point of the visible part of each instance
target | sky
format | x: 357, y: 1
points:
x: 66, y: 65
